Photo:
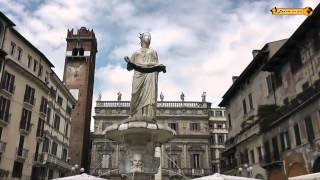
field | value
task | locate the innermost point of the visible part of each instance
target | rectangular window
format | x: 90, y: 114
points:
x: 45, y: 146
x: 173, y: 126
x: 267, y: 152
x: 244, y: 106
x: 194, y: 126
x: 218, y: 113
x: 212, y: 139
x: 229, y: 120
x: 48, y: 115
x: 250, y: 101
x: 13, y: 48
x: 276, y: 154
x: 25, y: 119
x: 4, y: 109
x: 35, y: 65
x: 19, y: 53
x: 17, y: 169
x: 297, y: 134
x: 60, y: 100
x: 195, y: 161
x: 40, y: 128
x: 259, y: 153
x: 309, y: 128
x: 220, y: 139
x: 295, y: 62
x: 40, y: 70
x: 29, y: 95
x: 68, y: 110
x: 106, y: 161
x: 54, y: 148
x: 20, y: 147
x: 43, y: 105
x: 252, y: 157
x: 56, y: 123
x: 29, y: 61
x: 285, y: 140
x: 67, y: 129
x: 269, y: 84
x: 173, y: 161
x: 7, y: 82
x: 64, y: 154
x: 219, y: 126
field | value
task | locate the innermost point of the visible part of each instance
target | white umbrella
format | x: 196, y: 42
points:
x: 218, y: 176
x: 82, y: 176
x: 314, y: 176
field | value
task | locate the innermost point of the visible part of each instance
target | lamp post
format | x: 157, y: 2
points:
x: 76, y: 170
x: 245, y: 168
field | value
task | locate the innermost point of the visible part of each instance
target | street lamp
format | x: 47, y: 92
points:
x: 245, y: 168
x: 76, y: 170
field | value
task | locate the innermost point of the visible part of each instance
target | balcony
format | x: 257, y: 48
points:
x: 38, y: 159
x: 2, y: 146
x: 25, y: 127
x: 7, y: 91
x: 29, y: 103
x: 21, y: 154
x: 4, y: 120
x: 54, y: 160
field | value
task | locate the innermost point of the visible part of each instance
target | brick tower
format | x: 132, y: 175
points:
x: 79, y: 79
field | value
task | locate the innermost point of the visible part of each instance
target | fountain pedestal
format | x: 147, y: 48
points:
x: 140, y: 138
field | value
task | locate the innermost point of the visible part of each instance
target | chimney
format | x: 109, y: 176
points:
x: 234, y: 78
x: 255, y: 52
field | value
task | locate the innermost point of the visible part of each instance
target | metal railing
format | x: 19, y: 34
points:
x: 50, y: 158
x: 22, y: 153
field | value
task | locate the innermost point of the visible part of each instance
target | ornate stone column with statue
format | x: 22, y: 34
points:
x: 141, y: 135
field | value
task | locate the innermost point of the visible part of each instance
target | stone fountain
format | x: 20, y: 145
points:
x: 140, y: 135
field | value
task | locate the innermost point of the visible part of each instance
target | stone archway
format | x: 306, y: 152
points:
x: 316, y: 165
x: 296, y: 169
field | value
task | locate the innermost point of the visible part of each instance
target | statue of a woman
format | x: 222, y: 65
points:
x: 146, y: 67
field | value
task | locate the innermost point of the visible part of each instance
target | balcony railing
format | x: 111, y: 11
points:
x: 52, y: 159
x: 106, y: 172
x: 2, y: 146
x: 187, y: 172
x: 38, y: 158
x: 21, y: 153
x: 160, y: 104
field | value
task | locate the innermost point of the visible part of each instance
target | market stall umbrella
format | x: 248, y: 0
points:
x: 314, y: 176
x: 218, y: 176
x: 82, y: 176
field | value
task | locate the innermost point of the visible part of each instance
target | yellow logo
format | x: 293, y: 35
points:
x: 292, y: 11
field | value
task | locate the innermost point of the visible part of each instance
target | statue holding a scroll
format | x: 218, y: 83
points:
x: 146, y: 67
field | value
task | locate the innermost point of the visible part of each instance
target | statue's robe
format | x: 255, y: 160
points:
x: 144, y: 85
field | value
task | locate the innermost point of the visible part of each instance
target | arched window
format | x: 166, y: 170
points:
x: 81, y: 52
x: 75, y: 52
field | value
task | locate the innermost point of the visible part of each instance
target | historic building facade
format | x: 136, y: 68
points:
x: 79, y: 79
x: 35, y: 110
x: 279, y: 138
x: 187, y: 155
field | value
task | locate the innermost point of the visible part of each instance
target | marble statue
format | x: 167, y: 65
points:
x: 161, y: 96
x: 119, y: 96
x: 203, y: 96
x: 182, y: 96
x: 146, y: 67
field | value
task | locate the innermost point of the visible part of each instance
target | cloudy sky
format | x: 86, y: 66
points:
x: 203, y: 43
